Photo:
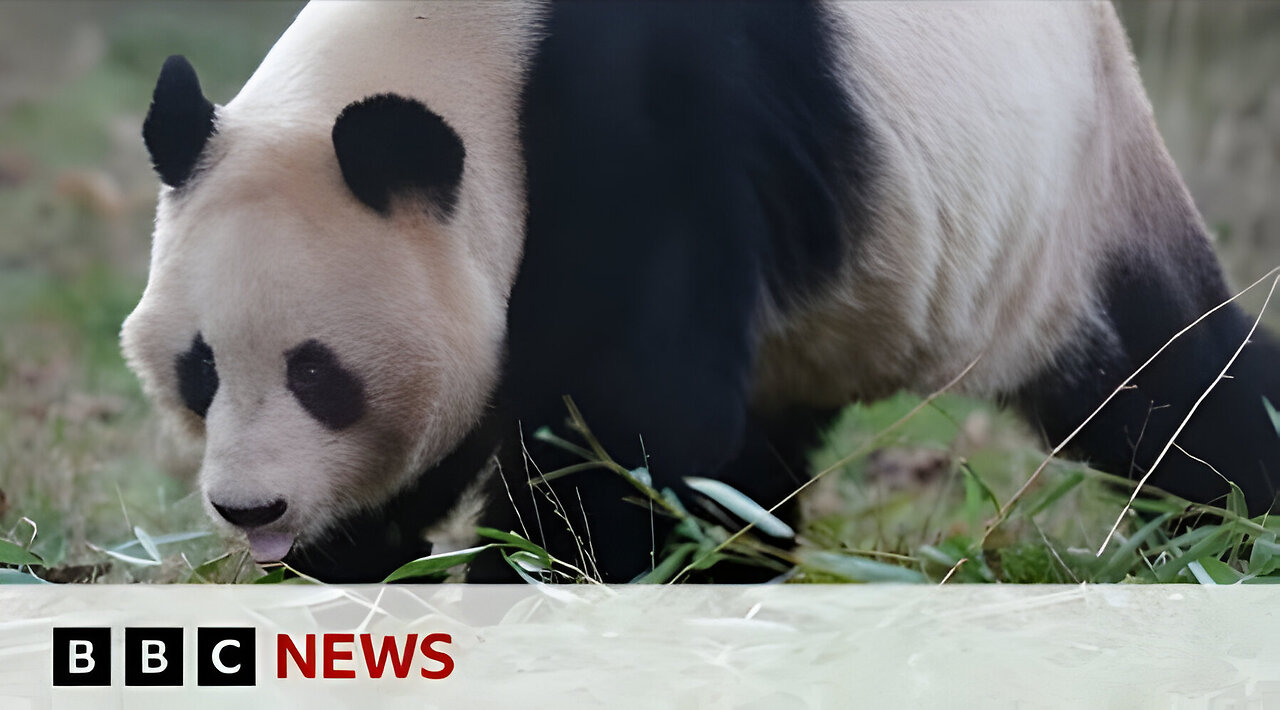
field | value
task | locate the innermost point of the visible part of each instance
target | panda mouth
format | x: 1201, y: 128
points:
x: 269, y: 546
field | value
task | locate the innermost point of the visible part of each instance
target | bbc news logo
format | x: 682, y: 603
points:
x: 227, y: 656
x: 153, y: 656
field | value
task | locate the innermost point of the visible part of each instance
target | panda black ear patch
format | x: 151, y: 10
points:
x: 179, y: 122
x: 388, y: 144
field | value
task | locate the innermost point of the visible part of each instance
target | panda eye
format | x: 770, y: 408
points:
x: 305, y: 375
x: 197, y: 376
x: 329, y: 392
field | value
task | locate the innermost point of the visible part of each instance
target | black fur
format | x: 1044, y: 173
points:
x: 330, y: 393
x: 388, y: 144
x: 179, y: 122
x: 197, y: 376
x: 686, y: 162
x: 1148, y: 298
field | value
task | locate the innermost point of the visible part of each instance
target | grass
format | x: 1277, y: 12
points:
x: 964, y: 526
x: 91, y: 491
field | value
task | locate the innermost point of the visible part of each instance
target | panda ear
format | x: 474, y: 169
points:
x: 178, y: 123
x: 388, y: 144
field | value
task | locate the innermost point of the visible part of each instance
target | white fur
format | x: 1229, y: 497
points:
x: 268, y: 249
x: 998, y: 124
x: 456, y: 529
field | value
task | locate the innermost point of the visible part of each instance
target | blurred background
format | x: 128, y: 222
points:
x: 81, y: 459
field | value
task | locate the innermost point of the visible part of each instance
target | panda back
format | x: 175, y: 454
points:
x: 1000, y: 132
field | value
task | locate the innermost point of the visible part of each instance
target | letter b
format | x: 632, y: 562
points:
x: 82, y: 656
x: 153, y: 656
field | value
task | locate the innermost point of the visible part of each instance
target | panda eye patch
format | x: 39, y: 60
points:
x: 197, y: 376
x: 329, y: 392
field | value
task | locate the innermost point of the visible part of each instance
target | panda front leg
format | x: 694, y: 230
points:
x: 655, y: 350
x: 586, y: 519
x: 637, y: 298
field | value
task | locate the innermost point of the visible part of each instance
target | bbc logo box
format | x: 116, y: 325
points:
x: 82, y: 656
x: 154, y: 656
x: 226, y: 656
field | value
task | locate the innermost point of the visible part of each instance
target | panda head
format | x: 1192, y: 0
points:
x: 314, y: 311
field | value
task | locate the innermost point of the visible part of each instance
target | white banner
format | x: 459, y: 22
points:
x: 765, y: 647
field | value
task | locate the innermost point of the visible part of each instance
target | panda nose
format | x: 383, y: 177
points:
x: 255, y: 516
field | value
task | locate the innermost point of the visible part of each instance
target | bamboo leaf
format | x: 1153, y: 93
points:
x: 11, y: 554
x: 859, y: 569
x: 1264, y: 557
x: 520, y: 570
x: 275, y: 576
x: 162, y: 539
x: 516, y: 541
x: 434, y: 565
x: 740, y: 505
x: 668, y: 567
x: 147, y: 543
x: 130, y: 559
x: 209, y: 569
x: 13, y: 576
x: 1211, y: 570
x: 641, y: 476
x: 545, y: 434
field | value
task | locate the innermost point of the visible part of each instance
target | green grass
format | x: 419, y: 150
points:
x: 90, y: 488
x: 962, y: 525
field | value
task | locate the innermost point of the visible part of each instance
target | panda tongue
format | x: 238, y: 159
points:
x: 269, y: 546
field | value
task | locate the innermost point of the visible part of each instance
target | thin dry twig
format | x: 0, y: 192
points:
x: 953, y: 570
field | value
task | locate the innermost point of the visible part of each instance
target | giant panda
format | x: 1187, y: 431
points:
x: 419, y: 226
